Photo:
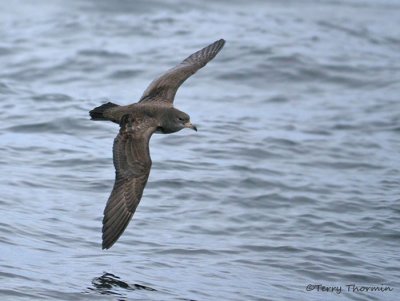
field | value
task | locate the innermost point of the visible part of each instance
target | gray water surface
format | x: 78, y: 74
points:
x: 292, y: 179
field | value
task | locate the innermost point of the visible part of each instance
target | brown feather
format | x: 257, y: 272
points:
x: 132, y: 164
x: 164, y: 87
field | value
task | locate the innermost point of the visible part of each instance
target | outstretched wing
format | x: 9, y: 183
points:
x: 132, y: 164
x: 164, y: 88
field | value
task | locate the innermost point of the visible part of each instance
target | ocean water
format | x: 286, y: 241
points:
x: 290, y: 189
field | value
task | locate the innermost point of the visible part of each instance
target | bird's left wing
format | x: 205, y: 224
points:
x: 132, y: 168
x: 164, y: 88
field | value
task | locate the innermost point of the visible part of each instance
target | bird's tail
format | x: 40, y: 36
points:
x: 98, y: 112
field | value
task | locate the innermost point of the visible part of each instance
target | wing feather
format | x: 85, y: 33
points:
x: 132, y: 164
x: 164, y: 87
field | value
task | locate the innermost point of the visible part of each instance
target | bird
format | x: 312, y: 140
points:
x: 153, y: 113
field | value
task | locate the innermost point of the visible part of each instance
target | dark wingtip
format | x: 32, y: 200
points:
x: 106, y: 244
x: 106, y: 241
x: 103, y: 245
x: 220, y: 43
x: 216, y: 47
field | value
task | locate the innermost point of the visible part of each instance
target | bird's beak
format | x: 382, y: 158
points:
x: 189, y: 125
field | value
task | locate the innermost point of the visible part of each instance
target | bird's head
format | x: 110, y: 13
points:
x: 175, y: 120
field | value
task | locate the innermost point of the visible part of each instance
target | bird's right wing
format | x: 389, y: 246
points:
x: 164, y: 88
x: 132, y: 167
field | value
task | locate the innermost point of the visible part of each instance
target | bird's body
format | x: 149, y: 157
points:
x: 154, y: 113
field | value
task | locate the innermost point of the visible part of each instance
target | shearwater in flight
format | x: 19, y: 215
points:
x: 154, y: 113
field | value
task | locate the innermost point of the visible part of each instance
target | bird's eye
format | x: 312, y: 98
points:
x: 181, y: 119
